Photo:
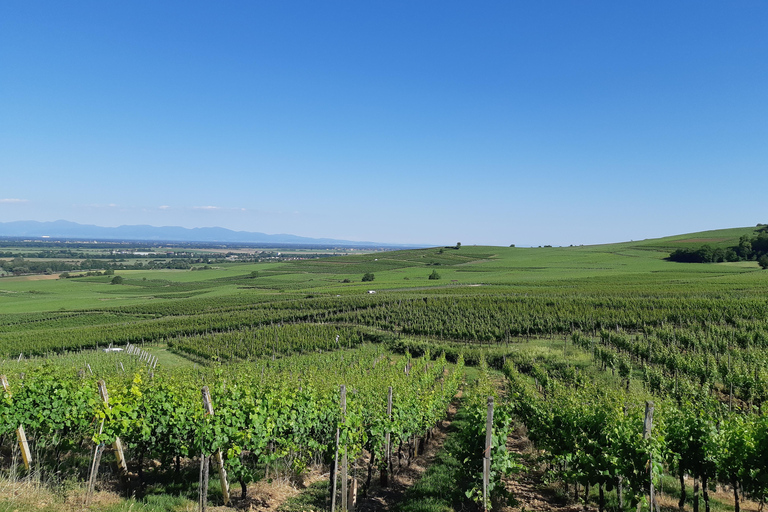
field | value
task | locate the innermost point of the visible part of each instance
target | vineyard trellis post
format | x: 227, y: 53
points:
x: 647, y: 426
x: 219, y: 458
x: 345, y: 456
x: 26, y: 455
x: 487, y: 452
x: 620, y: 480
x: 387, y: 442
x: 98, y: 450
x: 334, y: 471
x: 117, y: 445
x: 203, y: 485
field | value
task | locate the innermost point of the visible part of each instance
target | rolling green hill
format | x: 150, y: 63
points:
x: 609, y: 268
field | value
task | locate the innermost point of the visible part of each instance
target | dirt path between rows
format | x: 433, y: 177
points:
x: 528, y: 487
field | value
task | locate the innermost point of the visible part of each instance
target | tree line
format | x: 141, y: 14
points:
x: 750, y: 248
x: 21, y: 266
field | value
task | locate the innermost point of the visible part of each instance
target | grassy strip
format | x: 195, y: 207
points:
x: 314, y: 497
x: 439, y: 488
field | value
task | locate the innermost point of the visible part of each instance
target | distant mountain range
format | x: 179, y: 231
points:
x: 72, y: 230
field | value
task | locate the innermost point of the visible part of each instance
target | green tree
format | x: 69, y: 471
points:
x: 744, y: 248
x: 117, y: 280
x: 760, y: 244
x: 434, y: 275
x: 368, y: 276
x: 763, y: 261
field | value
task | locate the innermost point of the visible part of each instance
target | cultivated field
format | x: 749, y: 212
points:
x: 572, y: 343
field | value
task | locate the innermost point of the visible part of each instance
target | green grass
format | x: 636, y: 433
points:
x: 437, y: 489
x: 314, y: 497
x: 154, y: 503
x: 166, y: 358
x: 629, y: 266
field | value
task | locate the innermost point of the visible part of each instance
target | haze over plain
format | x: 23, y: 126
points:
x: 432, y: 122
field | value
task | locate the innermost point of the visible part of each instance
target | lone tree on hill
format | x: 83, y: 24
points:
x: 368, y: 277
x: 117, y: 280
x: 434, y: 275
x: 458, y: 245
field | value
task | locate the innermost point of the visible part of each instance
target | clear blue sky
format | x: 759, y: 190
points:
x: 536, y: 122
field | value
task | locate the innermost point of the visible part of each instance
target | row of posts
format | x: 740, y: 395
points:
x: 348, y: 495
x: 349, y: 492
x: 142, y: 354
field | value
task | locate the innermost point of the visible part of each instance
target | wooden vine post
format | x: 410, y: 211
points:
x: 117, y: 446
x: 647, y: 426
x: 219, y: 458
x: 487, y: 452
x: 26, y: 455
x: 620, y: 481
x: 387, y: 443
x: 99, y: 449
x: 345, y: 457
x: 335, y: 469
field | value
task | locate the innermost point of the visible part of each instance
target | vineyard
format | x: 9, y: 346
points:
x: 285, y: 411
x: 637, y: 380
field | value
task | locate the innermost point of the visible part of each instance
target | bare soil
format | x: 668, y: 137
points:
x: 529, y: 487
x: 34, y: 277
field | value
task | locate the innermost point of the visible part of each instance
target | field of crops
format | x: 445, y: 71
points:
x: 572, y: 342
